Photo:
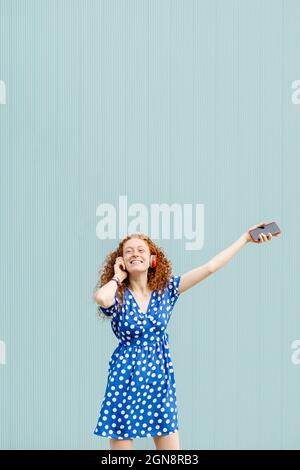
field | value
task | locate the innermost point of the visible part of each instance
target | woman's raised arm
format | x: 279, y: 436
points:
x: 193, y: 277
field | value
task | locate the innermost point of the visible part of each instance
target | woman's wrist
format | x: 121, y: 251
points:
x: 118, y: 279
x: 246, y: 237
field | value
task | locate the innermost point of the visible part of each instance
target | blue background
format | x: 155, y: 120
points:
x: 165, y: 102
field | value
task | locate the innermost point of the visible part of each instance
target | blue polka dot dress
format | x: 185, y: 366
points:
x: 140, y: 396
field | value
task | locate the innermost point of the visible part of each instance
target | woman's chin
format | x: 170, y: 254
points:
x: 137, y: 269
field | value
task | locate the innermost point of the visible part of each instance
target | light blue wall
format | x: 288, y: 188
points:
x: 184, y: 102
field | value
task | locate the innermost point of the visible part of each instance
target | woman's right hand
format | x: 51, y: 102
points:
x: 120, y: 269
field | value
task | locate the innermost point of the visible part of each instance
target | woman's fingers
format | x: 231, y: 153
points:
x: 264, y: 238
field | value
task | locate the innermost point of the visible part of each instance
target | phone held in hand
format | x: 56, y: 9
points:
x: 272, y: 228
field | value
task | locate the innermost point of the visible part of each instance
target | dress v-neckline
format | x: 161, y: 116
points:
x: 139, y: 308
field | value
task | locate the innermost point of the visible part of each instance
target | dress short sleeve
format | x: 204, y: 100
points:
x: 109, y: 311
x: 173, y: 289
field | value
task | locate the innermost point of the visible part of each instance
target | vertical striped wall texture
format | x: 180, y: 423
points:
x: 178, y: 101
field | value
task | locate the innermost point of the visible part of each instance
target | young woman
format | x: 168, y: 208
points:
x: 138, y: 292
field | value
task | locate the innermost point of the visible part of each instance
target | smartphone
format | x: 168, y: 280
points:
x: 272, y: 227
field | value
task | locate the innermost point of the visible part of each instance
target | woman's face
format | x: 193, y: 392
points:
x: 136, y: 255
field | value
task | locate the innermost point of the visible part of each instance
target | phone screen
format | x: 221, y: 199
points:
x: 272, y: 228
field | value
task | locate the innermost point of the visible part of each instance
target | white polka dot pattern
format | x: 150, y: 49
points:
x: 140, y: 396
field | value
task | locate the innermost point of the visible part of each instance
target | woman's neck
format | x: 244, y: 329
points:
x: 139, y: 286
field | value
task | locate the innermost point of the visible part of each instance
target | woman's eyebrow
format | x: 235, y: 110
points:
x: 130, y: 247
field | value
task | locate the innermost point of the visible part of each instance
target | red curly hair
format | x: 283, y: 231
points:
x: 158, y: 277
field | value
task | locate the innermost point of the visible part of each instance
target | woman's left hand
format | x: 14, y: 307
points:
x: 262, y: 237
